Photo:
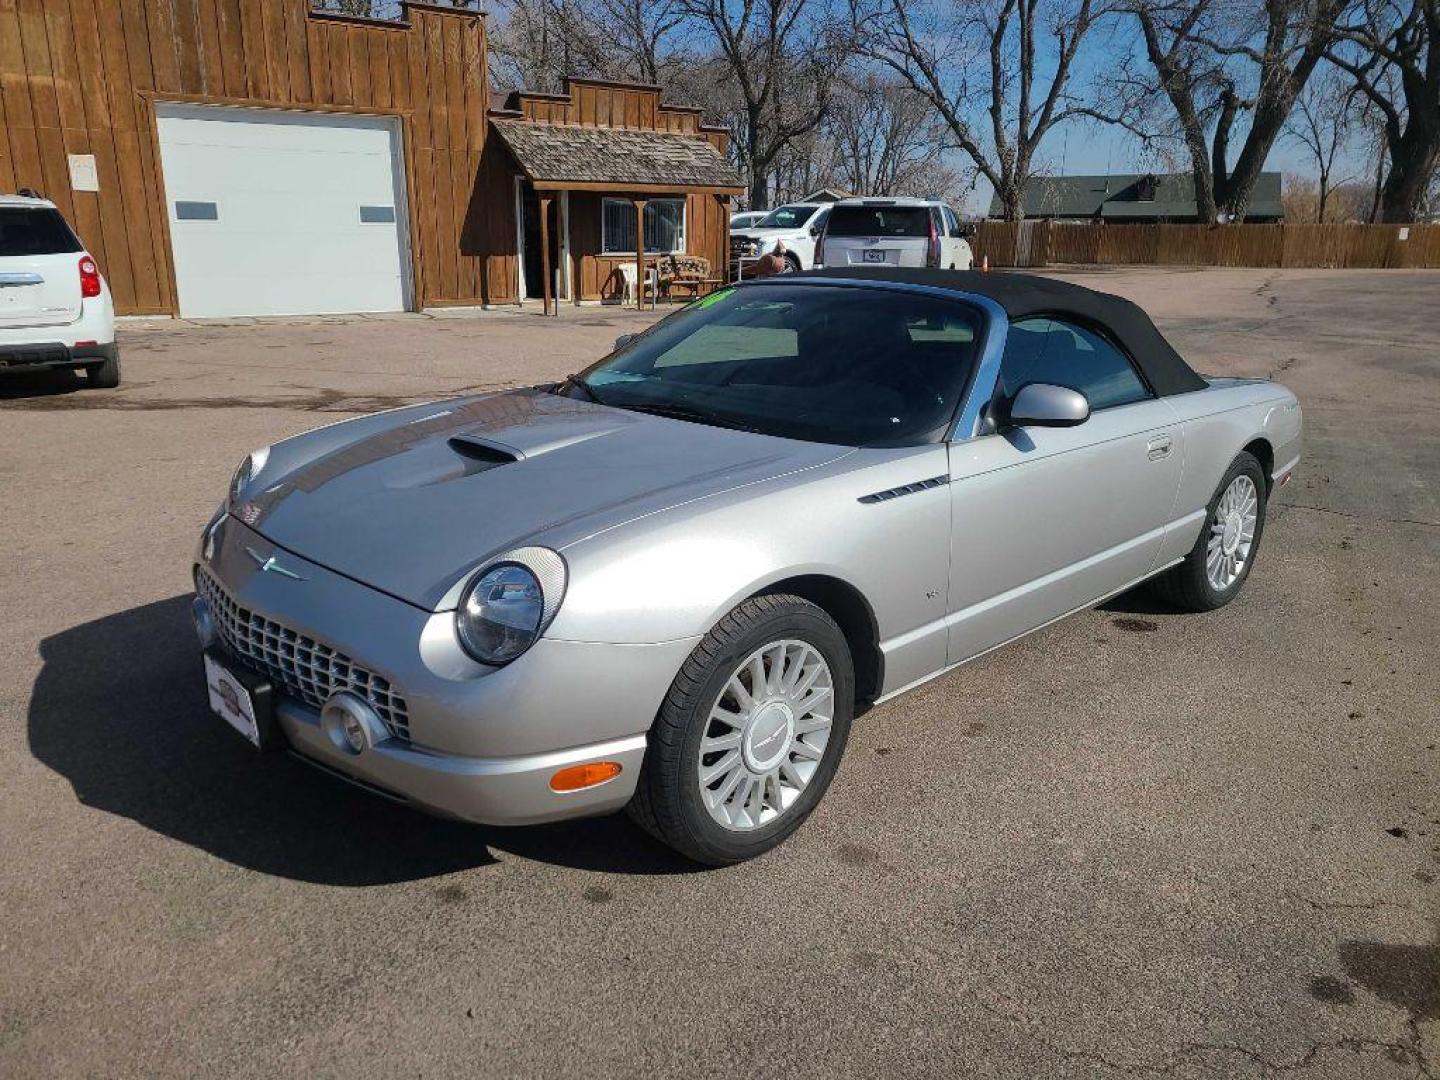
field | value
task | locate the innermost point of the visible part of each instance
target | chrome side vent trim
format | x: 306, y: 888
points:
x: 906, y: 489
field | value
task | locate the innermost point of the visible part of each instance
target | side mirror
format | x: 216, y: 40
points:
x: 814, y: 230
x: 622, y: 341
x: 1046, y: 405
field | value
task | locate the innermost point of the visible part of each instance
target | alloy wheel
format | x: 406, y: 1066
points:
x: 1232, y: 534
x: 766, y: 734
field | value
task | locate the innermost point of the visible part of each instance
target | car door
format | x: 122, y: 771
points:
x: 815, y: 231
x: 957, y: 250
x: 1046, y: 520
x: 948, y: 248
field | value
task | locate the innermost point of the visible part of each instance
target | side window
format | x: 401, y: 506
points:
x: 820, y: 219
x: 951, y: 225
x: 1051, y: 351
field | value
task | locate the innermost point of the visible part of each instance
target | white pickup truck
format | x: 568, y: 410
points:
x: 796, y: 225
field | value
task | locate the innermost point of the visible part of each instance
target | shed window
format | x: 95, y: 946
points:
x: 664, y: 226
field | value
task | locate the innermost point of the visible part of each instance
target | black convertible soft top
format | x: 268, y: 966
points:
x: 1026, y: 295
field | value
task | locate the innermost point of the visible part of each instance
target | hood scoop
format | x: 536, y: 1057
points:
x: 472, y: 457
x: 483, y: 452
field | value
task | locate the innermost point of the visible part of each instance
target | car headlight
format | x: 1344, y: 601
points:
x: 248, y: 470
x: 509, y: 604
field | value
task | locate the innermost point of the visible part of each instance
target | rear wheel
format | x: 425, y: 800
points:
x: 1217, y: 566
x: 106, y: 374
x: 792, y: 264
x: 751, y: 733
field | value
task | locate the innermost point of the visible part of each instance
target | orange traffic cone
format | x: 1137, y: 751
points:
x: 984, y: 264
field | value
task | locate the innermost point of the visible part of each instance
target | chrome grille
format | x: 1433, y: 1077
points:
x: 308, y: 669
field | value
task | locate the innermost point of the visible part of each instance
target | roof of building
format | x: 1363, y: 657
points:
x: 1027, y: 295
x: 1123, y: 196
x: 554, y: 154
x: 826, y: 194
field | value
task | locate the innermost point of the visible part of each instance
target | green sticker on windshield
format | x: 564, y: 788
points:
x: 714, y: 297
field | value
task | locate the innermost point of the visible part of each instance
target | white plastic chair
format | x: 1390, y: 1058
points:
x: 629, y: 276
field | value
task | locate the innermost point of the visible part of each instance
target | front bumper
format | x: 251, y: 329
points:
x: 492, y: 791
x: 48, y: 355
x: 482, y: 742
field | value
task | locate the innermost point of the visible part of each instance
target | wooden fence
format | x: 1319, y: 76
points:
x: 1050, y: 243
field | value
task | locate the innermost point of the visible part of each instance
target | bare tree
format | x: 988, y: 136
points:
x: 639, y: 32
x: 888, y: 140
x: 781, y: 58
x: 1323, y: 121
x: 530, y: 46
x: 1008, y: 61
x: 1398, y: 39
x: 1216, y: 60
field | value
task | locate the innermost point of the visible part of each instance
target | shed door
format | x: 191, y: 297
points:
x: 284, y: 213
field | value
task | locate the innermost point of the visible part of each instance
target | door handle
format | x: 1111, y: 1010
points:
x: 1159, y: 447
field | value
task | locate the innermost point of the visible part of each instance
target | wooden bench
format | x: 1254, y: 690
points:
x: 690, y: 273
x: 697, y: 287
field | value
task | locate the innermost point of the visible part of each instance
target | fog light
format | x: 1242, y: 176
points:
x: 351, y: 723
x: 204, y: 623
x: 577, y: 777
x: 354, y: 732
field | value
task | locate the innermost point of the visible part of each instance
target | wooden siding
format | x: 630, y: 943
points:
x: 707, y: 233
x: 1050, y: 243
x: 83, y: 76
x: 597, y: 103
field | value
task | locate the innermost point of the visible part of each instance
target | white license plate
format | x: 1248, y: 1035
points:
x: 872, y: 256
x: 19, y: 299
x: 231, y: 701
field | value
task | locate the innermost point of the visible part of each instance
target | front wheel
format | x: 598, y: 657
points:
x: 751, y: 733
x: 1220, y: 561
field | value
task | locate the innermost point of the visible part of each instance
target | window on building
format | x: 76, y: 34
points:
x: 664, y: 226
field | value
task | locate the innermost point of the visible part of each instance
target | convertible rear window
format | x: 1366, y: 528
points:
x: 39, y: 230
x: 847, y: 365
x: 879, y: 221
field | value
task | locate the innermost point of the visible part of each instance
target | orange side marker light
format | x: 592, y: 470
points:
x: 578, y: 777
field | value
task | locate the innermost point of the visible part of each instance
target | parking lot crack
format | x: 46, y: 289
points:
x: 1361, y: 517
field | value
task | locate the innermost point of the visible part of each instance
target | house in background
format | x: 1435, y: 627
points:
x: 262, y: 158
x: 826, y: 194
x: 1139, y: 198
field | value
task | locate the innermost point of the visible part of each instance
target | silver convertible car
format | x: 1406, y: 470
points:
x: 668, y: 583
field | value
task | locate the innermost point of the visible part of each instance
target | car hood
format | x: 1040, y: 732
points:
x: 413, y: 504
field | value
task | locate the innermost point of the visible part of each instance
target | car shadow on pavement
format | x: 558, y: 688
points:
x: 1141, y: 600
x: 119, y: 709
x: 28, y: 384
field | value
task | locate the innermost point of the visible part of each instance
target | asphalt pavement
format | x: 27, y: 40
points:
x: 1136, y: 843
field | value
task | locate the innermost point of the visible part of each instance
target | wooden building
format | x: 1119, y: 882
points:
x: 229, y: 157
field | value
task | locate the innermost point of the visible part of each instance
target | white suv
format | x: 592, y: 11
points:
x: 55, y: 308
x: 895, y: 232
x: 797, y: 225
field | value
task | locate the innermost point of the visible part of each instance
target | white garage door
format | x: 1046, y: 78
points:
x: 284, y: 213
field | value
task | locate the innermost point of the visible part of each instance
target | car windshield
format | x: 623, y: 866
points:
x: 855, y: 366
x: 786, y: 217
x: 26, y: 230
x: 879, y: 221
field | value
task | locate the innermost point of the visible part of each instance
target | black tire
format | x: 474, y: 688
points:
x: 667, y: 802
x: 1187, y: 586
x: 106, y: 374
x: 792, y: 264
